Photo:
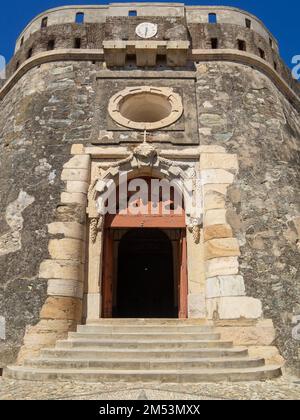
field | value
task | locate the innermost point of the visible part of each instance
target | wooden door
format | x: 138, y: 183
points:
x: 183, y: 279
x: 120, y: 221
x: 107, y: 277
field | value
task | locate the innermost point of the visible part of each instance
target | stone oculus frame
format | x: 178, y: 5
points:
x: 179, y: 125
x: 163, y: 107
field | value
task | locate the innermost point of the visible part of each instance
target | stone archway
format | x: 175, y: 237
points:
x: 143, y: 161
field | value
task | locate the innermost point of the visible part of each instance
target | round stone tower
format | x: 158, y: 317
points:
x: 154, y: 91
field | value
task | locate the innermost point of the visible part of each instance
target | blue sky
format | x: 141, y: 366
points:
x: 281, y: 18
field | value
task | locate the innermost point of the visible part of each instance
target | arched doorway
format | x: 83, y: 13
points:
x: 145, y: 276
x: 144, y: 263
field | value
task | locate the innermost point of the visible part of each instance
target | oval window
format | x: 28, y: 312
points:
x: 146, y: 107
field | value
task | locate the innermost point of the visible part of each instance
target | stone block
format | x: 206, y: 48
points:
x: 234, y: 308
x: 75, y: 175
x: 93, y: 305
x: 225, y: 286
x: 219, y: 161
x: 77, y: 187
x: 68, y: 229
x: 221, y: 266
x: 216, y: 176
x: 214, y: 200
x: 77, y: 149
x: 217, y: 231
x: 44, y: 334
x: 73, y: 198
x: 212, y: 149
x: 269, y: 353
x: 215, y: 217
x: 223, y: 247
x: 261, y: 333
x: 67, y: 308
x: 61, y: 269
x: 216, y: 188
x: 68, y: 288
x: 196, y: 306
x: 212, y: 120
x: 78, y: 162
x: 71, y: 213
x: 66, y: 249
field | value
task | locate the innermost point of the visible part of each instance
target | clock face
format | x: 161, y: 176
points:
x: 146, y: 30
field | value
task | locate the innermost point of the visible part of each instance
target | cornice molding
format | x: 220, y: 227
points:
x: 195, y: 55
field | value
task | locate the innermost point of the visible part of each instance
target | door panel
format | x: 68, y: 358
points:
x: 107, y: 278
x: 183, y: 281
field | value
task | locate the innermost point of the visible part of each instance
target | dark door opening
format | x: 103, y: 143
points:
x: 145, y: 275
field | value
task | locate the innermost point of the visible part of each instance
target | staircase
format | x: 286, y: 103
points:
x: 141, y: 350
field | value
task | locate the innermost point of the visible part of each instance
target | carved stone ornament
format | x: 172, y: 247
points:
x: 194, y: 226
x: 95, y: 227
x: 196, y: 233
x: 145, y: 155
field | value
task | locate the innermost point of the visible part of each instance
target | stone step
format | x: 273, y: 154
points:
x: 142, y: 344
x: 133, y: 364
x: 177, y: 376
x: 143, y: 354
x: 150, y: 321
x: 145, y: 336
x: 107, y: 329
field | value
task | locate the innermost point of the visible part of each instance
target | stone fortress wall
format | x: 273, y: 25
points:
x: 231, y: 27
x: 241, y: 124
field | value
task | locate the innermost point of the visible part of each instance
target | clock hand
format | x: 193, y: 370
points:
x: 146, y: 31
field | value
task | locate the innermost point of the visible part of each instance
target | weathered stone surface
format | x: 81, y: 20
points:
x: 66, y: 249
x: 79, y: 161
x: 224, y: 247
x: 211, y: 148
x: 66, y: 308
x: 11, y: 241
x: 222, y: 266
x: 234, y: 308
x: 215, y: 188
x: 68, y: 229
x: 225, y: 286
x: 71, y: 213
x: 269, y: 353
x: 219, y: 161
x: 216, y: 176
x: 37, y: 128
x: 262, y: 333
x: 70, y: 198
x: 77, y: 187
x: 75, y: 175
x: 215, y: 217
x: 196, y: 305
x: 61, y: 269
x: 259, y: 200
x: 212, y: 120
x: 42, y: 335
x: 77, y: 149
x: 217, y: 231
x: 68, y: 288
x: 214, y: 200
